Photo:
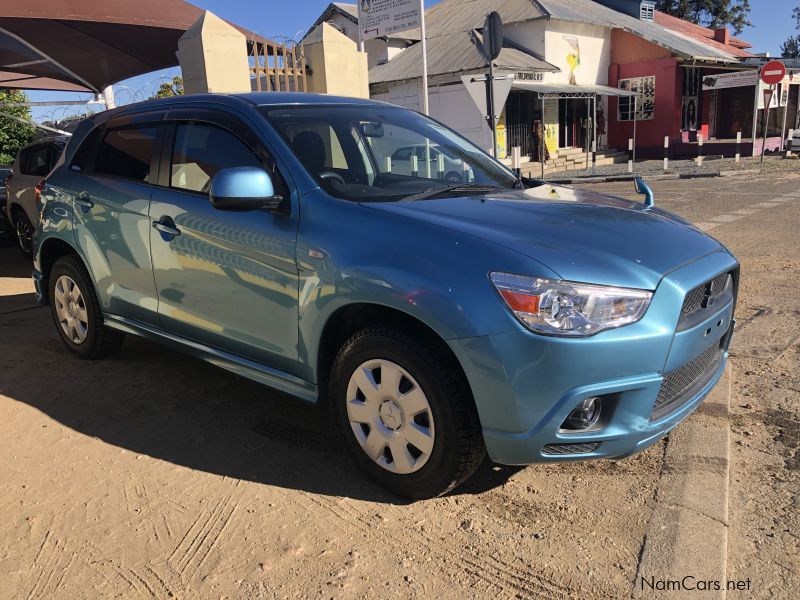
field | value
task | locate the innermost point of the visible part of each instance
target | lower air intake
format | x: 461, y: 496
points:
x: 566, y: 449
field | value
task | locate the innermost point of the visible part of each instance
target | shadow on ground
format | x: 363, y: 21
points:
x: 156, y: 402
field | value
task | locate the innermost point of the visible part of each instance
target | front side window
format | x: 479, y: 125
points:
x: 201, y: 150
x: 375, y: 153
x: 126, y: 153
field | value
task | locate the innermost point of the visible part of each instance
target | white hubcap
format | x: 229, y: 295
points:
x: 71, y: 310
x: 390, y: 416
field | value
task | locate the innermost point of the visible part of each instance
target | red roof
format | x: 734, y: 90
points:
x: 702, y: 34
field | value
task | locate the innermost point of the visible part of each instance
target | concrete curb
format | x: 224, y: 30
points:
x: 688, y: 531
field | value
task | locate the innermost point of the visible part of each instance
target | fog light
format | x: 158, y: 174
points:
x: 585, y: 415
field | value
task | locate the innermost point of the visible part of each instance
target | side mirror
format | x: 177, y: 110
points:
x: 243, y: 188
x: 644, y: 189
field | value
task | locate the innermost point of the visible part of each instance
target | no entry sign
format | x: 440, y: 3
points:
x: 773, y: 72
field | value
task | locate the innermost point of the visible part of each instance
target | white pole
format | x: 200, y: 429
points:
x: 699, y: 149
x: 785, y: 115
x: 630, y: 155
x: 789, y: 147
x: 755, y: 116
x: 738, y: 145
x: 666, y: 153
x: 108, y: 97
x: 424, y: 57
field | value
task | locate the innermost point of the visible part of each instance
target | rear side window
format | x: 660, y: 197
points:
x: 126, y: 153
x: 201, y: 150
x: 36, y: 160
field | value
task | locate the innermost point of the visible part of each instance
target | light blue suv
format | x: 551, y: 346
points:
x: 271, y: 235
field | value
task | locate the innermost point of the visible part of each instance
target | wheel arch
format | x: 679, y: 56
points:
x: 50, y: 251
x: 351, y: 318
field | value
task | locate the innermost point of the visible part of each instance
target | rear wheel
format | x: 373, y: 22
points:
x: 405, y: 413
x: 76, y: 311
x: 24, y: 231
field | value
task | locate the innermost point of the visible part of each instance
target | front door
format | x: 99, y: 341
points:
x: 225, y: 279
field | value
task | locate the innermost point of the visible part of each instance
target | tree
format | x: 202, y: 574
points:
x: 710, y: 13
x: 13, y: 134
x: 168, y: 89
x: 791, y: 47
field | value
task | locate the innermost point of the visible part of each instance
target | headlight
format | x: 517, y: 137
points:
x: 565, y: 308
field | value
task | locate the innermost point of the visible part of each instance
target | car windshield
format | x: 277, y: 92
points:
x: 376, y: 153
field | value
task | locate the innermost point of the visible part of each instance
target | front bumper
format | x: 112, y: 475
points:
x: 525, y: 385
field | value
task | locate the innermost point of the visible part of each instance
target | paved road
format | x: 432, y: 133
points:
x: 152, y: 474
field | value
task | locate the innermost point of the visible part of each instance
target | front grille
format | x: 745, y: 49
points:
x: 681, y: 384
x: 703, y: 296
x: 564, y: 449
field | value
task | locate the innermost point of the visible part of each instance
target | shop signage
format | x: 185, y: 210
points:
x: 723, y: 81
x: 379, y: 18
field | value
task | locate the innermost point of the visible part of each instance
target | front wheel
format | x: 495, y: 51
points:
x: 405, y: 413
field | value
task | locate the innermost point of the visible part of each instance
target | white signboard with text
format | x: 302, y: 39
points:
x: 379, y: 18
x: 730, y: 80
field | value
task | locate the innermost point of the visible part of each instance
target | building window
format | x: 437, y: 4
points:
x: 644, y: 89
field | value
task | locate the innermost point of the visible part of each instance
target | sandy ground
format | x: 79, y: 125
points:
x: 152, y: 474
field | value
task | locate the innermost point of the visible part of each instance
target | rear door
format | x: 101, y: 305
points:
x: 225, y: 279
x: 111, y: 198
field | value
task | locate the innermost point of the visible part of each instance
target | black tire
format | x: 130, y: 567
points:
x: 100, y: 341
x: 458, y: 446
x: 23, y: 229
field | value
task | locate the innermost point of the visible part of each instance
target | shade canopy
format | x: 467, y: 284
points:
x: 86, y: 45
x: 566, y: 90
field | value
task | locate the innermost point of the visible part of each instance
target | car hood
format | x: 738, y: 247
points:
x: 578, y: 234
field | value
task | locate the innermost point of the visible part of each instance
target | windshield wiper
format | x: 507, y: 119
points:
x: 456, y: 187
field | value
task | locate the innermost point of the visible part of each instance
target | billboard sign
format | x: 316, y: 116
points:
x: 379, y: 18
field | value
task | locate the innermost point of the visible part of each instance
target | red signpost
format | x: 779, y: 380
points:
x: 772, y: 74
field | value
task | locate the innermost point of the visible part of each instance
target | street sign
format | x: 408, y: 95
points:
x: 379, y: 18
x: 768, y: 97
x: 492, y: 36
x: 773, y: 72
x: 476, y: 86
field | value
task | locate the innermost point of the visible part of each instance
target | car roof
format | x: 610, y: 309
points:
x: 252, y: 98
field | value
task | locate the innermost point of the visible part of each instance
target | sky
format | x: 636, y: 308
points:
x: 772, y: 24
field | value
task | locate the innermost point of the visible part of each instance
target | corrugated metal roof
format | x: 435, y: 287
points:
x: 464, y: 15
x: 566, y: 89
x: 592, y: 13
x: 452, y: 53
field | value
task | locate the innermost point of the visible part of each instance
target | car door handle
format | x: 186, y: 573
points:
x: 166, y: 228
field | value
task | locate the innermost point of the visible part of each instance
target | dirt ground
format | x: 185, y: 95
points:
x: 152, y: 474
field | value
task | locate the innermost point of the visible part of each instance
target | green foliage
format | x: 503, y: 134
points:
x: 168, y: 89
x: 710, y: 13
x: 13, y: 134
x: 791, y: 47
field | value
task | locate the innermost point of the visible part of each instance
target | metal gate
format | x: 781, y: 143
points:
x: 521, y: 111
